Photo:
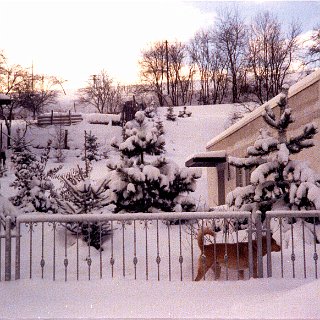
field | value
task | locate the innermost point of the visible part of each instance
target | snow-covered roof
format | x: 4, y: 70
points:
x: 206, y: 159
x: 293, y: 90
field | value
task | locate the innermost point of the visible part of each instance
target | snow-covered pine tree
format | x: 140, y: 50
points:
x: 277, y: 181
x: 35, y: 190
x: 170, y: 114
x: 140, y: 183
x: 92, y: 147
x: 80, y: 195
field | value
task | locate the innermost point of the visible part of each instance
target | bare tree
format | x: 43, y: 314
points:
x: 231, y: 39
x: 101, y: 93
x: 314, y: 50
x: 271, y: 54
x: 36, y: 92
x: 180, y: 74
x: 211, y: 67
x: 153, y: 69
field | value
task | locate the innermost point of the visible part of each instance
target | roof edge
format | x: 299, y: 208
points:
x: 293, y: 90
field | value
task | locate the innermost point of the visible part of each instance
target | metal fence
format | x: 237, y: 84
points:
x: 161, y: 246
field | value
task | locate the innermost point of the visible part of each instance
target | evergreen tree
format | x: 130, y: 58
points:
x: 277, y: 181
x: 80, y: 195
x: 92, y: 147
x: 35, y: 191
x: 138, y: 184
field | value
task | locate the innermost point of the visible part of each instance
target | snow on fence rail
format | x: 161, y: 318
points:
x: 150, y: 246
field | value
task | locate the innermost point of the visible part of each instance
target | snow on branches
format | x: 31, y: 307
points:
x: 276, y: 180
x: 141, y: 184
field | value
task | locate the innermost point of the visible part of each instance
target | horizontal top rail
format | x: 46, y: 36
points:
x: 25, y: 218
x: 293, y: 213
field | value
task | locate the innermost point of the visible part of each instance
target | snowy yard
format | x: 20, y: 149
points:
x: 124, y: 297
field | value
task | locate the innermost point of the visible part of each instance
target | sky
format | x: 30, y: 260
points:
x: 76, y: 39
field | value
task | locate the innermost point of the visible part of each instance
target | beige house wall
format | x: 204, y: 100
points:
x: 303, y: 99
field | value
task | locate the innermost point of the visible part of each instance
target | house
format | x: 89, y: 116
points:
x: 303, y: 99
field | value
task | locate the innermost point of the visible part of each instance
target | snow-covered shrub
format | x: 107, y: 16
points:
x: 141, y: 185
x: 35, y: 190
x: 170, y: 114
x: 80, y: 195
x: 277, y: 182
x: 7, y: 209
x: 184, y: 113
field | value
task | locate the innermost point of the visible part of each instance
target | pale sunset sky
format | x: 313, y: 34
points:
x: 76, y: 39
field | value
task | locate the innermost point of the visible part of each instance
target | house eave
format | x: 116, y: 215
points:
x: 207, y: 159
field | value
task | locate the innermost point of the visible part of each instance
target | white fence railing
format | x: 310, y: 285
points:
x: 160, y: 246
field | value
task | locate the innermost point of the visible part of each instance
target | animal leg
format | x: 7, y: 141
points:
x: 241, y: 274
x: 203, y: 267
x: 217, y: 271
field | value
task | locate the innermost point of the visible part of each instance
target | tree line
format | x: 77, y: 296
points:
x: 231, y: 61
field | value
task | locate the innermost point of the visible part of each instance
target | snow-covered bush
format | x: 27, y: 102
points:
x: 35, y: 190
x: 141, y: 185
x: 277, y: 182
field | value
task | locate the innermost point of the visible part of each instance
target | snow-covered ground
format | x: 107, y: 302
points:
x: 124, y: 297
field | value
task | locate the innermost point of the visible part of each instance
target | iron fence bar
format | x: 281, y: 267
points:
x: 24, y: 218
x: 7, y: 258
x: 269, y: 262
x: 18, y: 249
x: 192, y: 255
x: 315, y: 254
x: 169, y: 250
x: 135, y: 259
x: 100, y: 250
x: 89, y: 261
x: 180, y: 251
x: 158, y: 260
x: 281, y: 248
x: 293, y: 213
x: 42, y: 261
x: 65, y: 261
x: 293, y: 256
x: 226, y: 258
x: 146, y: 242
x: 214, y: 250
x: 259, y: 245
x: 123, y: 251
x: 77, y: 241
x: 304, y: 251
x: 112, y: 261
x: 54, y: 251
x: 203, y: 257
x: 250, y: 255
x: 30, y: 252
x: 0, y: 252
x: 238, y: 253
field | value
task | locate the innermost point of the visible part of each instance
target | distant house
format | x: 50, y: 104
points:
x: 303, y: 99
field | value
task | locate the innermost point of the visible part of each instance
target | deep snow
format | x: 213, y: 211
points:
x: 128, y: 298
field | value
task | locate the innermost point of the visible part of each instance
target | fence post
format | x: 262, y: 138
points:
x: 51, y: 120
x: 17, y: 270
x: 7, y: 257
x: 66, y: 139
x: 269, y: 264
x: 259, y: 245
x: 250, y: 247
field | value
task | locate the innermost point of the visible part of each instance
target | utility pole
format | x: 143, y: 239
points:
x: 167, y: 62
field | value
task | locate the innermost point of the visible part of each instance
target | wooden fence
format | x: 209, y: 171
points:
x: 66, y: 119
